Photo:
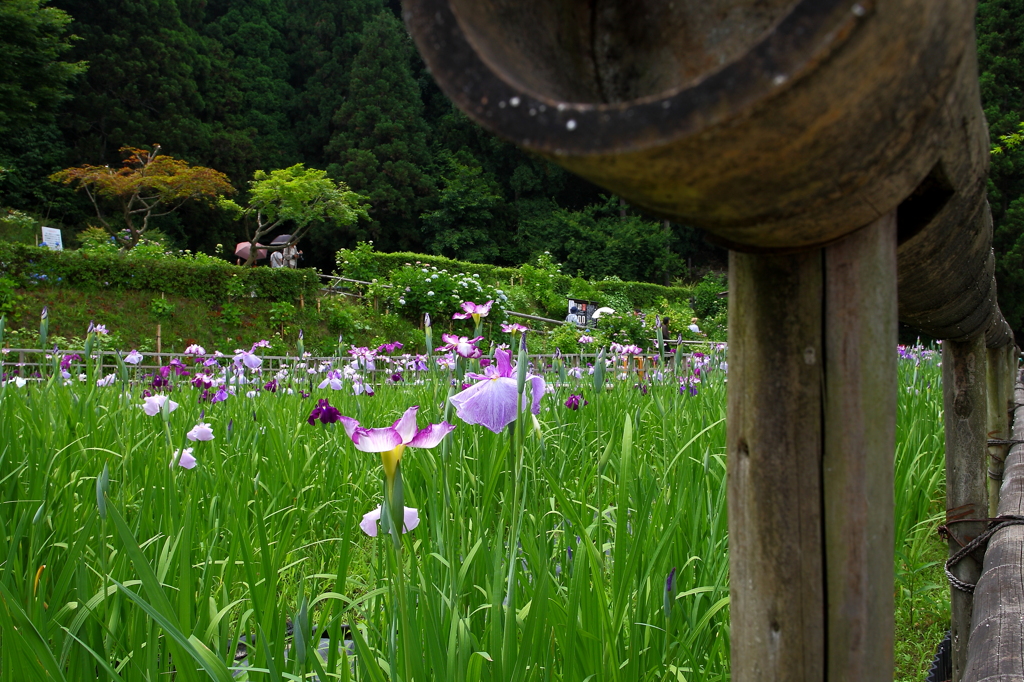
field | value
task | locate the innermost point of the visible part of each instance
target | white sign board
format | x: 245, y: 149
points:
x: 52, y: 239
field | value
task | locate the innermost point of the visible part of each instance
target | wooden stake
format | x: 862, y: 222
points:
x: 996, y: 652
x: 964, y: 405
x: 998, y: 420
x: 861, y: 388
x: 774, y: 467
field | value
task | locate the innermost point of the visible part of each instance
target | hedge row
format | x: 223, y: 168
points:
x: 87, y: 271
x: 369, y: 265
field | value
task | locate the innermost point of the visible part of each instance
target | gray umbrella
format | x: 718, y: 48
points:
x: 281, y: 239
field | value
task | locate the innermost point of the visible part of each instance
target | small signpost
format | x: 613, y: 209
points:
x: 52, y: 239
x: 581, y: 312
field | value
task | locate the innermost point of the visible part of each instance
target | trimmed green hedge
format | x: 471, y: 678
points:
x: 364, y: 264
x: 29, y: 265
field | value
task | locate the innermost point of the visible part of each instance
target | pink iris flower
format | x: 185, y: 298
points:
x: 184, y: 459
x: 492, y: 401
x: 474, y: 310
x: 391, y: 441
x: 463, y: 345
x: 372, y: 518
x: 154, y: 403
x: 200, y: 432
x: 514, y: 328
x: 133, y: 358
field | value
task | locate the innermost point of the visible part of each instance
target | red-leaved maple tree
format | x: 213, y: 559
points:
x: 148, y: 185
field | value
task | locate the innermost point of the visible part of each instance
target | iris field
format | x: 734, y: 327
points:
x: 226, y: 538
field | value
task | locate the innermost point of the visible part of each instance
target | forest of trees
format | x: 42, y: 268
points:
x: 247, y: 85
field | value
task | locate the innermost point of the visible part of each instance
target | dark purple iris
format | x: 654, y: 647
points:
x: 65, y: 362
x: 271, y: 386
x: 396, y: 377
x: 574, y: 401
x: 324, y: 412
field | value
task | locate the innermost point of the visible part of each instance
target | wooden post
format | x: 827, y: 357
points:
x: 996, y: 651
x: 861, y: 389
x: 998, y: 377
x: 812, y: 435
x: 159, y: 347
x: 774, y: 467
x: 964, y: 405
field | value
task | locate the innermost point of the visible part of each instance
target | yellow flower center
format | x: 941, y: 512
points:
x: 390, y: 459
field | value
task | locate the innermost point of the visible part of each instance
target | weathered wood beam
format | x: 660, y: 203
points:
x: 996, y: 651
x: 861, y: 387
x: 811, y: 438
x: 774, y: 439
x: 964, y: 406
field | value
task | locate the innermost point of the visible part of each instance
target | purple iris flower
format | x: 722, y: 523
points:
x: 220, y: 396
x: 389, y: 347
x: 334, y: 380
x: 324, y: 412
x: 670, y: 584
x: 65, y: 362
x: 492, y: 401
x: 133, y: 358
x: 574, y: 401
x: 271, y: 386
x: 250, y: 360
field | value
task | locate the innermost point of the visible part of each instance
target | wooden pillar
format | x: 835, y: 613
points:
x: 811, y: 439
x: 861, y: 391
x: 998, y: 377
x: 965, y: 408
x: 774, y: 467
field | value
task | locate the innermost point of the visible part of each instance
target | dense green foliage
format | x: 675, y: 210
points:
x: 543, y: 278
x: 1001, y: 59
x: 203, y: 278
x: 33, y: 74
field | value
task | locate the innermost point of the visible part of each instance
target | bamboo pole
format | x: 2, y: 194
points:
x: 859, y: 447
x: 964, y: 406
x: 774, y: 467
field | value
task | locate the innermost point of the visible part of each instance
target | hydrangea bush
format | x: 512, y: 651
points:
x: 419, y: 289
